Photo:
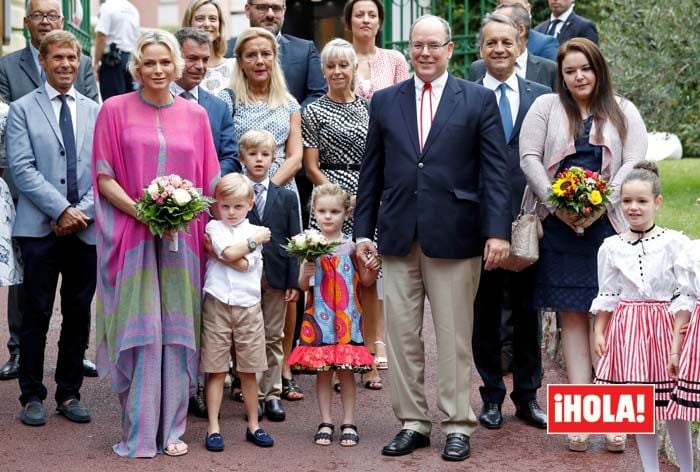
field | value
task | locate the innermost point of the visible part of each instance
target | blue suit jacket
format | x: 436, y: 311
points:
x: 301, y: 65
x: 433, y: 197
x: 37, y: 161
x: 528, y: 92
x: 281, y: 215
x: 575, y: 27
x: 19, y: 76
x: 221, y: 123
x: 542, y: 45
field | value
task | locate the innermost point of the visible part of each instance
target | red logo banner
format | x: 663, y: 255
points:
x: 600, y: 409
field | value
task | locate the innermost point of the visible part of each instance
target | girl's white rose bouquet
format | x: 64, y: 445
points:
x: 169, y: 204
x: 308, y: 245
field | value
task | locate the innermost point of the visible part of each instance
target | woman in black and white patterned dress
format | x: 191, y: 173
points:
x: 334, y: 127
x: 334, y: 131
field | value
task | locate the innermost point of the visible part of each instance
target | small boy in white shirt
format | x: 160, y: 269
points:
x: 231, y: 313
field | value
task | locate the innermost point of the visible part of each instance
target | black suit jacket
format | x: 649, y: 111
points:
x: 433, y: 196
x: 281, y: 215
x: 221, y: 123
x: 301, y: 66
x: 528, y: 92
x: 574, y: 27
x: 540, y: 70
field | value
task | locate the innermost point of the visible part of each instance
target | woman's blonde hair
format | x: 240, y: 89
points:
x: 279, y: 94
x: 331, y: 190
x: 147, y: 38
x: 219, y: 44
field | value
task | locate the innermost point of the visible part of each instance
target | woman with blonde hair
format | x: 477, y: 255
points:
x: 259, y: 99
x: 149, y: 297
x: 208, y: 15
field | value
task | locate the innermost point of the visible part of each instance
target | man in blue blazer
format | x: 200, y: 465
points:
x: 20, y: 73
x: 498, y: 44
x: 564, y: 24
x: 49, y: 151
x: 537, y: 69
x: 434, y: 182
x: 195, y: 47
x: 299, y: 58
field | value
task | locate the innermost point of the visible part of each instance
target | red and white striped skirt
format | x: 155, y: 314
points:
x: 638, y: 340
x: 685, y: 400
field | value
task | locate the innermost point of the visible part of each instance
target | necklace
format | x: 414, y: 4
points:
x: 641, y: 236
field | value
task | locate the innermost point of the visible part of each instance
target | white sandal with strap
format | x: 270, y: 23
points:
x: 381, y: 362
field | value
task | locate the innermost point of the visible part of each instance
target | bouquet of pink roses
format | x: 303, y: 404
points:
x: 308, y: 245
x: 169, y: 204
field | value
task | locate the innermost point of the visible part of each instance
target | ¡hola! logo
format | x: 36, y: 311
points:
x: 600, y: 409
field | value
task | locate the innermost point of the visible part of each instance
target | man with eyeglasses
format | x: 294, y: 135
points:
x: 434, y: 182
x: 20, y: 74
x: 298, y: 57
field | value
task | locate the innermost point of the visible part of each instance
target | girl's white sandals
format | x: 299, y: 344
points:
x: 381, y: 361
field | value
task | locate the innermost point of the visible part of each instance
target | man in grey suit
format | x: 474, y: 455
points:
x: 498, y: 44
x: 527, y: 65
x: 20, y: 73
x: 49, y: 151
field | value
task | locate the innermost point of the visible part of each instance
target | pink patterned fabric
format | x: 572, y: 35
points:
x: 388, y: 67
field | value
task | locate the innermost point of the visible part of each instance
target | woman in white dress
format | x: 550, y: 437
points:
x: 207, y: 15
x: 10, y: 266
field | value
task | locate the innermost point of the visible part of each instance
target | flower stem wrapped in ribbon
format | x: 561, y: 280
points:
x: 169, y: 204
x: 579, y: 191
x: 308, y: 245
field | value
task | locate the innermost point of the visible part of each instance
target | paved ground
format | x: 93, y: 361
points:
x: 64, y: 446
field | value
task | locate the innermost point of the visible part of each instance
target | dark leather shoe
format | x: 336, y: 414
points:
x: 274, y: 410
x: 74, y: 411
x: 10, y: 370
x: 490, y: 416
x: 197, y: 406
x: 89, y: 369
x: 531, y: 413
x: 33, y: 414
x: 405, y: 442
x: 456, y: 447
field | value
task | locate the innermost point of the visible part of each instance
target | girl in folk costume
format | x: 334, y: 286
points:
x: 684, y: 360
x: 331, y: 339
x: 633, y: 325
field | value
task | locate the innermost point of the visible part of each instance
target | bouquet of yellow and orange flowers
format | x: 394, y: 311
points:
x: 580, y: 191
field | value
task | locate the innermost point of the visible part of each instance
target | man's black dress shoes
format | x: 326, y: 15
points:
x: 531, y: 413
x: 274, y: 410
x: 405, y: 442
x: 10, y: 370
x: 456, y: 447
x: 89, y: 369
x: 490, y: 416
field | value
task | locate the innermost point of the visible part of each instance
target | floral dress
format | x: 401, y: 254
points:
x: 10, y: 264
x: 331, y: 338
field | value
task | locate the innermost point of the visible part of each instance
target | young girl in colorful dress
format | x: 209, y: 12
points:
x: 330, y: 331
x: 633, y: 325
x: 684, y: 360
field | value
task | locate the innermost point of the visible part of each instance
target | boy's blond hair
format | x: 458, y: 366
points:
x: 234, y: 185
x: 256, y: 138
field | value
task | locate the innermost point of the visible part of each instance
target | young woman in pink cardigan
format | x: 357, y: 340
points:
x: 584, y: 124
